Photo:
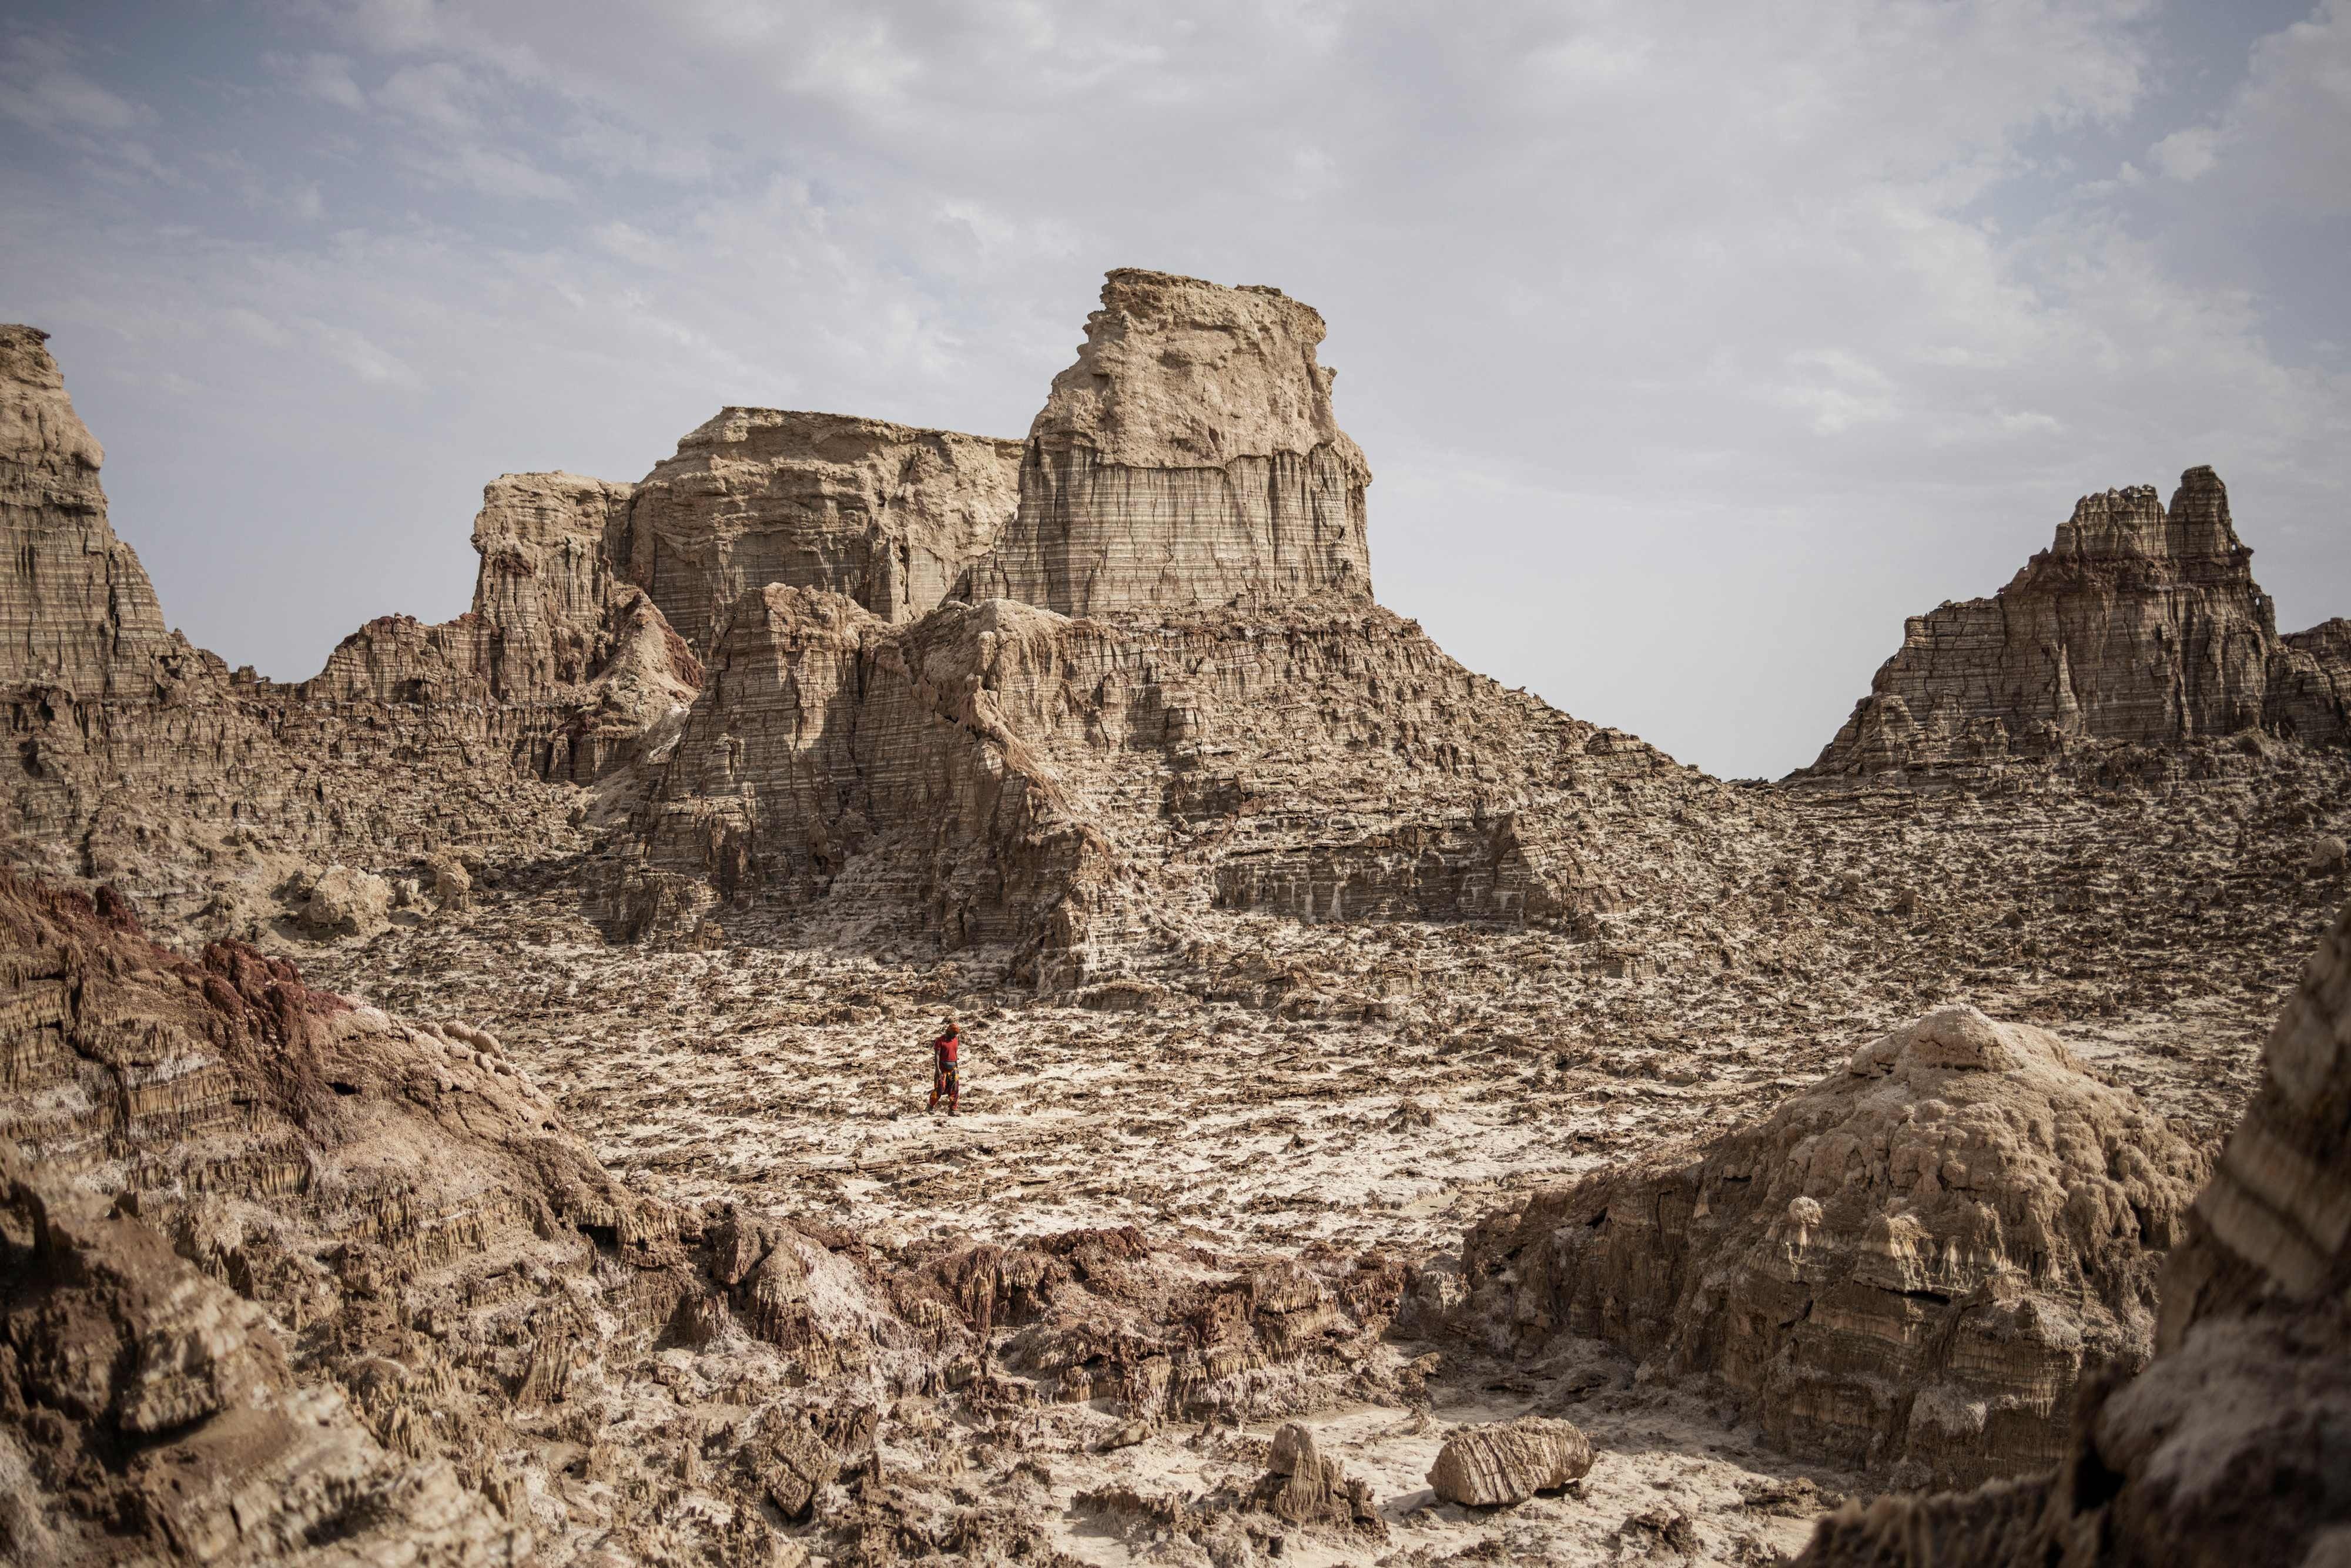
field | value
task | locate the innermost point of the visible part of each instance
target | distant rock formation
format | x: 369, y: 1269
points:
x: 1189, y: 458
x: 1915, y: 1266
x: 2139, y: 625
x: 2228, y: 1450
x: 886, y: 516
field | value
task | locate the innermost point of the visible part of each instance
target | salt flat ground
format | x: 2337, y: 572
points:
x: 1401, y: 1079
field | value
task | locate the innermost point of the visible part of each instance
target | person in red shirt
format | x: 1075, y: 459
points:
x: 943, y: 1068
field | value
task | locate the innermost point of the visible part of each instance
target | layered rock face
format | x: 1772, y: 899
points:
x: 1190, y: 457
x: 2139, y: 625
x: 76, y: 611
x: 1914, y: 1267
x: 2228, y: 1448
x: 887, y: 516
x: 1093, y: 746
x: 561, y: 661
x: 143, y: 761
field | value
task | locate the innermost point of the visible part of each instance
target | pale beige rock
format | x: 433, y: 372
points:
x: 882, y: 514
x: 2227, y: 1449
x: 1915, y: 1266
x: 1509, y: 1461
x: 1190, y: 457
x: 348, y: 903
x: 76, y: 610
x: 1303, y: 1487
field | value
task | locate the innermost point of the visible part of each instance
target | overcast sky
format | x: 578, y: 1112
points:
x: 1693, y: 345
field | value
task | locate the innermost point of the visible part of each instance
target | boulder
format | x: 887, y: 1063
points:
x: 1509, y: 1461
x: 1914, y: 1267
x: 348, y: 903
x: 1304, y: 1488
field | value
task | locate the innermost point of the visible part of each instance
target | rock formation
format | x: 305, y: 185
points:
x: 2139, y: 625
x: 1189, y: 458
x: 76, y: 611
x: 2228, y: 1450
x: 1913, y: 1267
x: 886, y: 516
x: 569, y: 667
x: 1302, y: 1487
x: 1511, y: 1461
x: 165, y: 1422
x: 1048, y: 766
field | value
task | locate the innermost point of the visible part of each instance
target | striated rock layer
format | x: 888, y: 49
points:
x: 1914, y: 1267
x: 145, y: 763
x: 2139, y: 625
x: 2228, y: 1450
x: 1190, y: 457
x: 888, y: 515
x: 76, y: 611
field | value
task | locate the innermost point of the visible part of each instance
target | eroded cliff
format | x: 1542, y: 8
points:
x: 2140, y: 625
x: 1190, y: 457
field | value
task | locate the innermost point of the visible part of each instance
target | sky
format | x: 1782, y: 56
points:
x: 1693, y: 346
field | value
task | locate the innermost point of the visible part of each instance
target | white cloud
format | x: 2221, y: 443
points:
x: 2285, y: 135
x: 41, y: 88
x: 324, y: 77
x: 1651, y: 317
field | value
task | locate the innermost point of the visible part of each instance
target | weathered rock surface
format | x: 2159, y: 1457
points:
x: 1190, y: 457
x: 151, y: 1411
x: 1303, y: 1487
x: 76, y: 611
x: 1509, y: 1461
x: 145, y: 763
x: 1915, y: 1266
x: 2139, y: 625
x: 569, y: 667
x: 2228, y: 1448
x: 346, y: 903
x: 884, y: 515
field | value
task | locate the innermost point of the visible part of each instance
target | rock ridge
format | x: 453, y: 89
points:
x: 2139, y: 626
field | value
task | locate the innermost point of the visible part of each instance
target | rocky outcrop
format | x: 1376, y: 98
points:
x: 2310, y: 683
x: 1915, y: 1266
x: 1303, y: 1487
x: 1190, y: 457
x: 561, y: 662
x: 883, y: 515
x: 1509, y: 1461
x: 165, y: 1422
x: 76, y: 611
x: 2140, y: 625
x: 2227, y: 1449
x: 145, y: 763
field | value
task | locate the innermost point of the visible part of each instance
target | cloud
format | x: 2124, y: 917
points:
x: 1694, y: 345
x: 2285, y: 135
x: 41, y: 88
x: 326, y: 77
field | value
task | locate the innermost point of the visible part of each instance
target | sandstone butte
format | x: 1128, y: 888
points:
x: 1110, y: 720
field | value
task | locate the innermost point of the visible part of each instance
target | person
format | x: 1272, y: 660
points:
x: 943, y: 1050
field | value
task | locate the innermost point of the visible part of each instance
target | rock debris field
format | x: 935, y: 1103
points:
x: 469, y: 1107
